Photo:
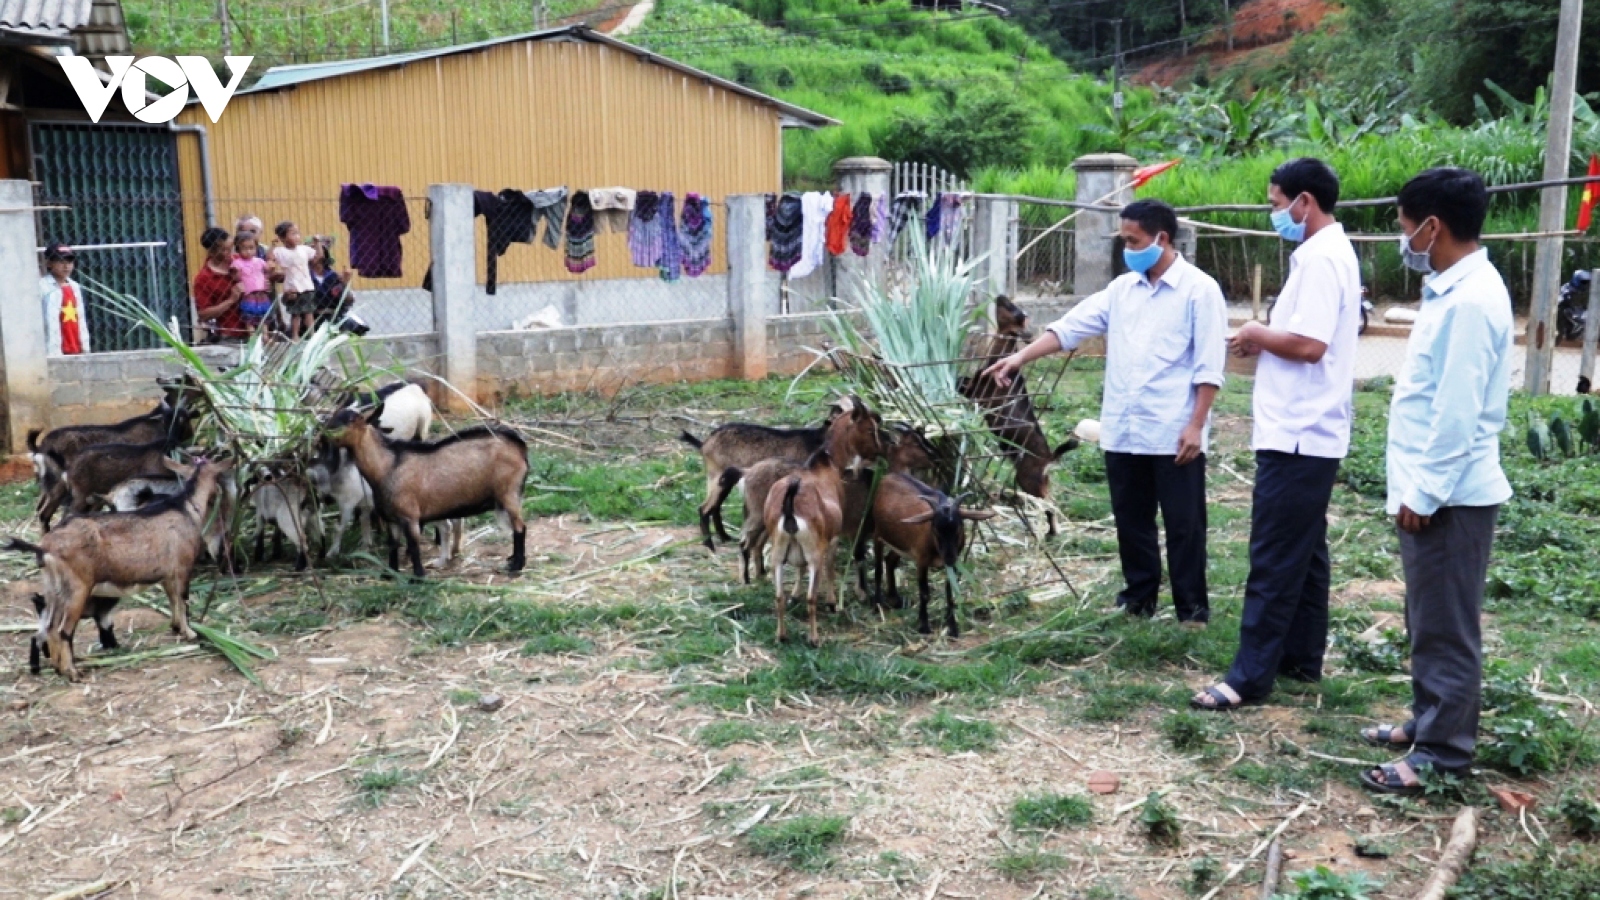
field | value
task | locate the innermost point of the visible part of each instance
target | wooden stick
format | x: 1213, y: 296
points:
x: 1269, y: 882
x: 1271, y: 838
x: 1463, y: 839
x: 83, y: 890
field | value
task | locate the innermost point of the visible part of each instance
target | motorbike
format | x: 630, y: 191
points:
x: 1572, y: 312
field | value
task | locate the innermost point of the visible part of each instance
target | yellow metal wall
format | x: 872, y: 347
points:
x: 524, y: 115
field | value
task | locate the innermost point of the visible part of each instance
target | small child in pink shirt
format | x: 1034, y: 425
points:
x: 255, y: 301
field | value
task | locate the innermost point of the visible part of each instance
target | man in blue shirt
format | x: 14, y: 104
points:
x: 1445, y: 481
x: 1165, y: 325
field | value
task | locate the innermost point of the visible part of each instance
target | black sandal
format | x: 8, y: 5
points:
x: 1391, y: 782
x: 1383, y: 735
x: 1221, y: 704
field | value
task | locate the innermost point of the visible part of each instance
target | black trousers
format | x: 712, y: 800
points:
x: 1446, y: 566
x: 1284, y: 628
x: 1139, y: 484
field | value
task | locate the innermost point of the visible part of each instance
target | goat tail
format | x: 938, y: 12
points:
x: 691, y: 440
x: 1070, y: 445
x: 731, y: 476
x: 22, y: 546
x: 791, y: 525
x: 33, y: 439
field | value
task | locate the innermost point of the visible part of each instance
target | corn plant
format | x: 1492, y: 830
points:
x: 1555, y: 439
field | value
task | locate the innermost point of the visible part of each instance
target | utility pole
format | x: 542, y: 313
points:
x: 1116, y: 80
x: 227, y: 27
x: 384, y: 8
x: 1227, y: 15
x: 1553, y: 203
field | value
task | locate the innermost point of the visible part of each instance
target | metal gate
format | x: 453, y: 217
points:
x: 123, y: 216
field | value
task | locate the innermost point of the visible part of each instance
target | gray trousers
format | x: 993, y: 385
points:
x: 1445, y: 569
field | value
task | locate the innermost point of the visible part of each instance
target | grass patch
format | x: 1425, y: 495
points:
x: 1047, y: 812
x: 1023, y: 865
x: 1187, y: 732
x: 804, y: 842
x: 957, y: 734
x: 553, y: 644
x: 660, y: 489
x: 843, y: 671
x: 728, y: 732
x: 376, y: 785
x: 1118, y: 702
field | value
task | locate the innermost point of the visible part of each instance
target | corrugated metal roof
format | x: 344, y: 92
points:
x: 281, y: 77
x: 52, y: 17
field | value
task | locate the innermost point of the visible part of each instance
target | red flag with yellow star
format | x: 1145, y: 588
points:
x: 71, y: 337
x: 1591, y: 194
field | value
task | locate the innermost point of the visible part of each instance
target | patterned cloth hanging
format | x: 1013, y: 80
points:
x: 861, y: 222
x: 907, y: 207
x: 837, y: 229
x: 953, y: 216
x: 772, y: 212
x: 645, y: 227
x: 815, y: 207
x: 880, y: 217
x: 671, y: 263
x: 935, y: 216
x: 784, y: 232
x: 580, y: 234
x: 696, y: 235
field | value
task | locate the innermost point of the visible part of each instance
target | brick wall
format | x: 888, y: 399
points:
x: 105, y: 387
x: 605, y: 358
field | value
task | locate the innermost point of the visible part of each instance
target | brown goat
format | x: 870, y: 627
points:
x: 56, y: 450
x: 926, y: 526
x: 908, y: 451
x: 413, y: 483
x: 1009, y: 410
x: 804, y: 514
x: 743, y: 444
x: 87, y: 555
x: 95, y: 472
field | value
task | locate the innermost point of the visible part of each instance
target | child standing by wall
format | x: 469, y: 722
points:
x: 65, y: 319
x: 255, y: 294
x: 299, y: 292
x: 331, y: 302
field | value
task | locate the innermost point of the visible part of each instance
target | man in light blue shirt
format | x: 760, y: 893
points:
x: 1445, y: 481
x: 1165, y: 325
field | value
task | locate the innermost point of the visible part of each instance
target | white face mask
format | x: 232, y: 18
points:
x: 1417, y: 260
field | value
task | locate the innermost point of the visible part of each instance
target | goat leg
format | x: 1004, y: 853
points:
x: 1050, y: 523
x: 722, y: 530
x: 922, y: 608
x: 813, y: 575
x: 261, y: 540
x: 394, y: 551
x: 779, y: 601
x: 177, y: 588
x: 103, y: 621
x: 950, y: 623
x: 519, y: 549
x: 414, y: 547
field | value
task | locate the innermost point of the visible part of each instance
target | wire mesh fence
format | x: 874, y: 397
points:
x: 553, y: 258
x: 1046, y: 266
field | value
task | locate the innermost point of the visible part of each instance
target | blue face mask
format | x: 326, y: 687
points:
x: 1287, y: 228
x: 1141, y: 261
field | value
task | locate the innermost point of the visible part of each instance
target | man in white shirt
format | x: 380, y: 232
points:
x: 1165, y: 325
x: 1445, y: 481
x: 1302, y: 409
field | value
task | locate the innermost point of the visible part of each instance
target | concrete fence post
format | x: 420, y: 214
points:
x: 994, y: 240
x: 747, y: 267
x: 857, y: 175
x: 1103, y: 178
x: 22, y: 331
x: 451, y: 236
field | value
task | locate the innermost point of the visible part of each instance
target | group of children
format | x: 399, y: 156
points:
x: 301, y: 274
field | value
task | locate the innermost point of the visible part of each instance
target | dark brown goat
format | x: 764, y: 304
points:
x: 53, y: 452
x: 927, y: 527
x: 476, y: 470
x: 908, y: 451
x: 804, y: 514
x: 96, y: 471
x: 743, y: 444
x: 1009, y: 410
x: 87, y: 555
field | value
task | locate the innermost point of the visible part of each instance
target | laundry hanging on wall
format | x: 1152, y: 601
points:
x: 838, y: 226
x: 376, y: 216
x: 953, y: 216
x: 645, y: 228
x: 613, y: 206
x: 815, y: 206
x: 861, y: 225
x: 907, y: 208
x: 671, y: 262
x: 550, y: 206
x: 695, y: 235
x: 785, y: 232
x: 580, y: 234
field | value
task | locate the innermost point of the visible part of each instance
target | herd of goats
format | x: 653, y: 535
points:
x: 137, y: 517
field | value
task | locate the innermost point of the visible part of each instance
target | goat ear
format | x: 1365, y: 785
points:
x: 919, y: 518
x: 179, y: 469
x: 376, y: 414
x: 977, y: 515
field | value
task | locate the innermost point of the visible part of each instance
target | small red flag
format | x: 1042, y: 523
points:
x: 1145, y: 173
x: 1591, y: 194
